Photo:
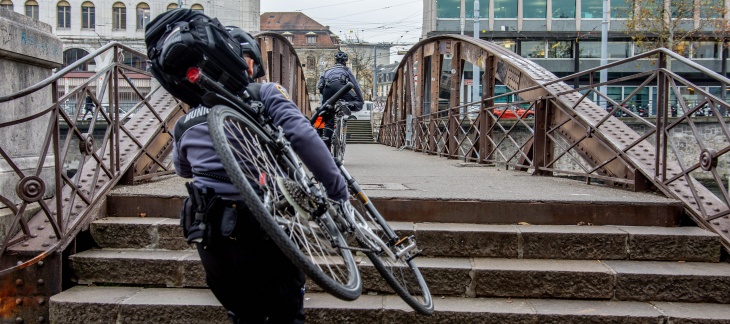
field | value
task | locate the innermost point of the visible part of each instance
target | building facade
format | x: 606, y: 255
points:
x: 564, y: 36
x: 316, y: 46
x: 84, y: 26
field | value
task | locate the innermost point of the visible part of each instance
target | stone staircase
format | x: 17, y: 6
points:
x: 359, y: 132
x: 142, y: 271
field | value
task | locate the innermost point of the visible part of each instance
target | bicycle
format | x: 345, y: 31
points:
x: 293, y: 210
x: 341, y: 112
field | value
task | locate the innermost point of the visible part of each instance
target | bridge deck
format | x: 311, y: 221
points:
x: 411, y: 186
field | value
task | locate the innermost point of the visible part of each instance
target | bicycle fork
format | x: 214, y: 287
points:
x: 395, y: 247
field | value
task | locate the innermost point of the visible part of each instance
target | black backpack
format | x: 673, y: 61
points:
x: 182, y: 38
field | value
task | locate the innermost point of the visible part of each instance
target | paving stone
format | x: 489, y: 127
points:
x: 149, y: 267
x: 673, y: 243
x: 572, y: 242
x: 463, y: 240
x: 672, y: 281
x: 542, y: 278
x: 592, y: 311
x: 695, y: 313
x: 88, y: 304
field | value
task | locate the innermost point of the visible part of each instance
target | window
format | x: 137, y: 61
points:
x: 591, y: 8
x: 119, y: 19
x: 705, y: 50
x: 197, y: 7
x: 590, y: 49
x: 134, y: 60
x: 64, y: 15
x: 6, y: 4
x: 311, y: 39
x: 563, y: 8
x: 622, y: 8
x: 533, y: 49
x: 143, y: 15
x: 172, y: 6
x: 448, y: 8
x: 72, y: 55
x: 505, y: 8
x: 509, y: 44
x: 711, y: 8
x: 534, y: 8
x: 560, y: 49
x: 290, y: 39
x: 683, y: 9
x: 31, y: 9
x: 88, y: 15
x: 311, y: 63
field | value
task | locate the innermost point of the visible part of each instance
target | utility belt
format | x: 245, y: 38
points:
x: 208, y: 218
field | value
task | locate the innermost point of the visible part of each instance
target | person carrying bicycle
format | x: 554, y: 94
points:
x: 332, y: 80
x: 246, y: 270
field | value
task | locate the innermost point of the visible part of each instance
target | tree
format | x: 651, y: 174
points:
x: 671, y: 23
x: 360, y: 55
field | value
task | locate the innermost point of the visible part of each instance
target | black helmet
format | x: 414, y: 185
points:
x: 249, y: 47
x: 340, y: 57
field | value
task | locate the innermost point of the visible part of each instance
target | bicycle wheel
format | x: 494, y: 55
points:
x: 400, y: 273
x: 255, y: 165
x: 338, y: 141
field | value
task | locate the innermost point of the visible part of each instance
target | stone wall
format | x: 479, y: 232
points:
x: 28, y: 53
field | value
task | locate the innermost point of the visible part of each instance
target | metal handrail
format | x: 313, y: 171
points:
x: 567, y: 124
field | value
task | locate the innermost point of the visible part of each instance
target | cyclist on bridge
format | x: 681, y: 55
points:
x: 334, y: 79
x: 246, y: 270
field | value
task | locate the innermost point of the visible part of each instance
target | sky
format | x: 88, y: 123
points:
x: 372, y: 21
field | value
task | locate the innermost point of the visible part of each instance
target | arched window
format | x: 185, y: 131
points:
x: 88, y: 15
x: 119, y: 16
x: 31, y: 9
x: 7, y: 4
x: 171, y: 6
x: 134, y: 60
x: 143, y: 15
x: 72, y: 55
x: 64, y: 15
x: 197, y: 7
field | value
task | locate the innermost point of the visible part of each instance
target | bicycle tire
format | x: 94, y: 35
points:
x: 403, y: 276
x: 252, y: 160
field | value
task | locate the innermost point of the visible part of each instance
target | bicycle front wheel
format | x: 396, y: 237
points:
x: 257, y: 167
x: 401, y: 273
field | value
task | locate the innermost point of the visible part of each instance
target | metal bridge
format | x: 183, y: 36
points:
x: 564, y: 134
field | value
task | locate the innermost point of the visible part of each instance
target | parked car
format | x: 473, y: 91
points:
x: 364, y: 113
x: 512, y: 113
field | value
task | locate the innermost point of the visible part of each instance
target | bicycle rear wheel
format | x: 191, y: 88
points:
x: 256, y: 166
x: 339, y: 141
x: 401, y: 274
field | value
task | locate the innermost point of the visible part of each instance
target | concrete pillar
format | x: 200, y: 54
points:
x: 28, y: 53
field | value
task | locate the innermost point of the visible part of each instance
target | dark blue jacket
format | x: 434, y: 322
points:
x: 193, y: 150
x: 333, y: 79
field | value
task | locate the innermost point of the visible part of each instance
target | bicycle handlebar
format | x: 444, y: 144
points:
x: 331, y: 101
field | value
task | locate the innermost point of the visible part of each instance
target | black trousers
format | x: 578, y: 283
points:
x: 252, y: 278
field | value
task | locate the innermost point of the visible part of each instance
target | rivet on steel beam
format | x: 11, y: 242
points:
x: 19, y: 320
x: 40, y: 228
x: 46, y: 244
x: 41, y: 319
x: 18, y: 282
x: 724, y: 231
x: 34, y: 235
x: 41, y: 263
x: 41, y: 301
x: 25, y: 244
x: 52, y: 236
x: 18, y: 301
x: 41, y: 282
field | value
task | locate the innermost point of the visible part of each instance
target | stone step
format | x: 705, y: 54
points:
x: 471, y: 277
x: 164, y: 305
x: 474, y: 240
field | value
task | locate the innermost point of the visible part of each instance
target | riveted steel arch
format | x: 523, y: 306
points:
x: 283, y: 66
x: 557, y: 122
